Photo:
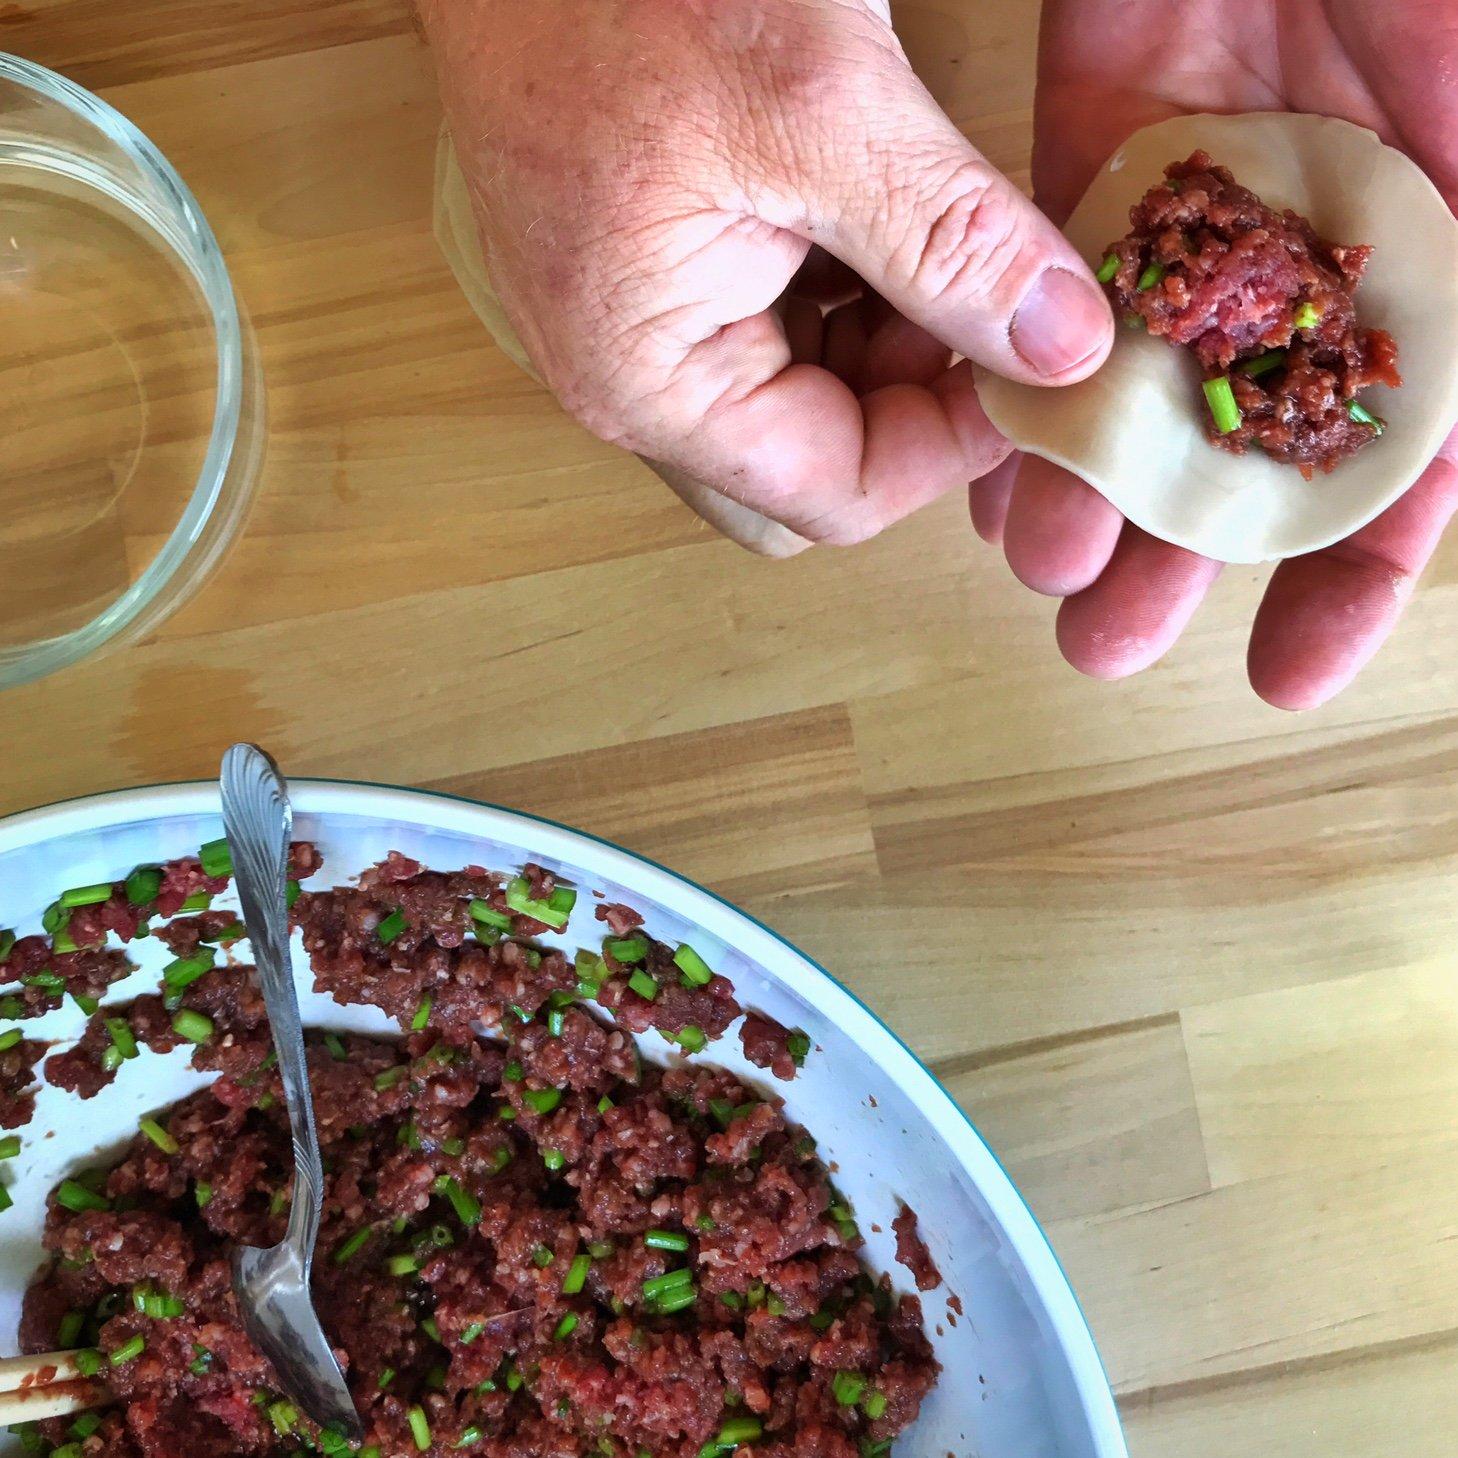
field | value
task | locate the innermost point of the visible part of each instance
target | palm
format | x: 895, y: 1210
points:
x: 1108, y: 67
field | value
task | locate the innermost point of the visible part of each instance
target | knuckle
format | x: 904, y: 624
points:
x: 963, y: 235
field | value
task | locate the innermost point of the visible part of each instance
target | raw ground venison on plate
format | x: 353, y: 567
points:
x: 911, y: 1251
x: 1264, y: 304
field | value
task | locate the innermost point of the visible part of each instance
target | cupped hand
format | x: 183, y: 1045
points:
x: 739, y: 238
x: 1107, y: 68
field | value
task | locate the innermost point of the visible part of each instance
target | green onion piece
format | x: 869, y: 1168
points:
x: 705, y: 1223
x: 566, y: 1327
x: 542, y: 1257
x: 228, y: 935
x: 500, y: 1159
x: 86, y: 895
x: 556, y: 1019
x: 469, y: 1436
x: 626, y: 950
x: 64, y: 942
x: 463, y: 1202
x: 513, y: 1072
x: 194, y: 1026
x: 695, y: 970
x: 488, y: 915
x: 453, y: 1147
x: 120, y: 1032
x: 576, y: 1277
x: 847, y: 1387
x: 142, y: 885
x: 604, y: 1104
x: 202, y: 1193
x: 429, y: 1327
x: 86, y: 1424
x: 756, y: 1295
x: 521, y: 1013
x: 198, y: 901
x: 85, y: 1002
x: 774, y: 1305
x: 54, y: 917
x: 7, y: 941
x: 874, y: 1405
x: 1150, y: 277
x: 403, y: 1265
x: 1262, y: 364
x: 691, y: 1038
x: 389, y: 1078
x: 111, y: 1059
x: 644, y: 984
x: 562, y: 899
x: 506, y: 1112
x: 75, y: 1196
x: 87, y: 1361
x: 422, y: 1015
x: 1363, y: 416
x: 666, y: 1240
x: 387, y: 1376
x: 419, y: 1427
x: 48, y: 982
x: 1223, y: 409
x: 6, y: 1199
x: 353, y: 1245
x: 292, y: 892
x: 9, y: 1038
x: 554, y: 1159
x: 471, y: 1332
x: 1108, y: 268
x: 676, y: 1300
x: 723, y: 1112
x: 127, y: 1351
x: 798, y: 1046
x: 519, y: 899
x: 391, y: 926
x: 336, y: 1047
x: 1307, y: 316
x: 67, y: 1450
x: 179, y: 975
x: 11, y: 1007
x: 656, y: 1287
x: 283, y: 1415
x: 158, y: 1135
x: 69, y: 1330
x: 216, y: 858
x: 9, y: 1148
x: 542, y: 1100
x: 202, y: 1360
x: 739, y: 1430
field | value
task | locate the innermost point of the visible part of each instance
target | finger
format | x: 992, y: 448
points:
x: 903, y: 353
x: 825, y: 280
x: 988, y: 499
x: 1140, y: 604
x: 1060, y: 533
x: 1324, y: 615
x: 929, y: 223
x: 736, y: 521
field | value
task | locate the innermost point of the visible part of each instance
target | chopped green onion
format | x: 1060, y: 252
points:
x: 705, y: 1223
x: 48, y: 982
x: 576, y: 1277
x: 471, y: 1332
x: 86, y: 1003
x: 566, y: 1327
x: 283, y: 1415
x: 1151, y: 276
x: 69, y: 1330
x: 75, y: 1196
x: 389, y: 1078
x: 9, y: 1038
x: 7, y: 941
x: 158, y: 1135
x: 228, y: 934
x: 739, y: 1430
x: 1108, y: 268
x: 554, y: 1159
x: 1223, y: 409
x: 143, y: 885
x: 203, y: 1192
x: 1307, y: 316
x: 336, y: 1047
x: 463, y: 1202
x: 292, y: 892
x: 353, y: 1245
x: 429, y: 1327
x: 87, y: 1361
x: 553, y: 912
x: 470, y: 1435
x: 556, y: 1020
x: 202, y: 1360
x: 774, y: 1305
x: 798, y: 1047
x: 6, y: 1199
x: 723, y: 1112
x: 64, y: 942
x: 604, y: 1104
x: 54, y: 917
x: 67, y: 1450
x: 387, y: 1376
x: 695, y: 970
x: 111, y: 1059
x: 666, y: 1240
x: 198, y: 901
x: 86, y: 895
x: 513, y: 1072
x: 194, y: 1026
x: 676, y: 1300
x: 181, y: 974
x: 488, y: 915
x: 1262, y: 364
x: 847, y: 1387
x: 403, y: 1265
x: 127, y: 1351
x: 542, y: 1100
x: 9, y: 1148
x: 216, y: 858
x: 422, y: 1015
x: 626, y: 950
x: 521, y: 1013
x: 120, y: 1032
x: 874, y: 1405
x: 691, y: 1038
x: 419, y: 1427
x: 644, y: 984
x: 391, y: 926
x: 11, y: 1007
x: 157, y: 1304
x: 655, y: 1287
x: 542, y: 1257
x: 453, y: 1147
x: 1363, y: 416
x: 87, y: 1423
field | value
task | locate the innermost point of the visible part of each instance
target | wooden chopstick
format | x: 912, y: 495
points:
x: 44, y: 1386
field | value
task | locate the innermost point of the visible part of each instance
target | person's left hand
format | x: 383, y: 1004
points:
x: 1107, y: 68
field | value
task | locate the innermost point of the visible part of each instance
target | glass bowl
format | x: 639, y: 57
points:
x: 130, y: 402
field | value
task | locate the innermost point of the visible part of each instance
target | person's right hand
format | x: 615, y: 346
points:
x: 664, y: 188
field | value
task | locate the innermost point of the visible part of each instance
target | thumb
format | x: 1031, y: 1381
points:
x: 931, y: 225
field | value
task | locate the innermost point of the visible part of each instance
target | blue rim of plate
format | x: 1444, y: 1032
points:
x: 1106, y: 1428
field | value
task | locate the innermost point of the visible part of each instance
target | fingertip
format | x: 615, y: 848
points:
x: 1059, y: 533
x: 1062, y: 329
x: 988, y: 498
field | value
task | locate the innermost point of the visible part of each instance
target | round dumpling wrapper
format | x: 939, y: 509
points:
x: 1135, y: 429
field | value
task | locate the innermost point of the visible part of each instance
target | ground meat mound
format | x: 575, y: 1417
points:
x: 911, y: 1251
x: 1260, y: 300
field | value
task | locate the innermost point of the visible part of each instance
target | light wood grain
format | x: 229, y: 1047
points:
x: 1187, y: 961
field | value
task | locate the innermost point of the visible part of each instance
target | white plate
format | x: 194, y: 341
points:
x: 1022, y: 1380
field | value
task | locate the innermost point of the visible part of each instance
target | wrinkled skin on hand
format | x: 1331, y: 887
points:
x: 1107, y: 68
x: 673, y: 194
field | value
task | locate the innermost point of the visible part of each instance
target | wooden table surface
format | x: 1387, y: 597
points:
x: 1185, y: 960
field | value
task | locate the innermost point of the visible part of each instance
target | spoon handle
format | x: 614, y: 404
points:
x: 258, y: 821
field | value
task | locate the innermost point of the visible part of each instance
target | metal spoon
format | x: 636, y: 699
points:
x: 272, y: 1285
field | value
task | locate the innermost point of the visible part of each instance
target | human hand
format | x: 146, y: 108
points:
x: 663, y: 188
x: 1107, y: 68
